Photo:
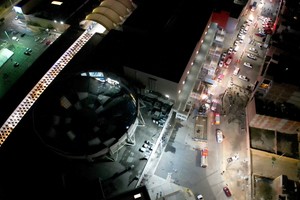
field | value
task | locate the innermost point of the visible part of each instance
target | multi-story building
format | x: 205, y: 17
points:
x: 136, y: 47
x: 274, y: 113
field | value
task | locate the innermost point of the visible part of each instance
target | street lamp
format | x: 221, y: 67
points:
x: 10, y: 40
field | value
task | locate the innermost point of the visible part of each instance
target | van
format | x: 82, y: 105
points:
x: 204, y: 154
x: 236, y: 71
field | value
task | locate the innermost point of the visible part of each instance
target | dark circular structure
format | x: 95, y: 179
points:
x: 84, y: 115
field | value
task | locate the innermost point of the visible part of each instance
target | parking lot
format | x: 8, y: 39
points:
x: 26, y: 42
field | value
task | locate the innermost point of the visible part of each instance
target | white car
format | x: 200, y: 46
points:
x: 244, y: 78
x: 200, y: 197
x: 253, y: 49
x: 245, y: 25
x: 236, y: 71
x: 236, y: 43
x: 219, y: 136
x: 221, y: 63
x: 249, y: 21
x: 247, y: 64
x: 241, y: 36
x: 236, y: 48
x: 230, y: 49
x: 251, y: 56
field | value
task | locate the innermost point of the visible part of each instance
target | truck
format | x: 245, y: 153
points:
x: 204, y: 154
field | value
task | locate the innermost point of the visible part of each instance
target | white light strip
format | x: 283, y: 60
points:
x: 58, y: 3
x: 41, y: 86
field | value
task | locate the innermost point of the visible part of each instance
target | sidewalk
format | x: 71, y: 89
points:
x: 164, y: 189
x: 159, y: 188
x: 168, y: 188
x: 236, y: 173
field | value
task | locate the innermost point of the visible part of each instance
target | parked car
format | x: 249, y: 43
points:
x: 227, y: 191
x: 251, y: 56
x: 144, y: 150
x: 16, y: 64
x: 223, y: 56
x: 37, y: 39
x: 241, y: 36
x: 244, y: 78
x: 236, y: 43
x: 229, y: 51
x: 200, y: 197
x: 243, y: 31
x: 245, y: 26
x: 221, y: 63
x: 149, y: 143
x: 236, y: 71
x: 249, y: 21
x: 147, y: 146
x: 253, y: 49
x: 236, y: 48
x: 27, y: 53
x: 219, y: 135
x: 247, y: 64
x: 228, y: 61
x: 48, y: 42
x: 15, y: 38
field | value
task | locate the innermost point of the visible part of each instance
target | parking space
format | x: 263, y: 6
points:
x: 27, y: 43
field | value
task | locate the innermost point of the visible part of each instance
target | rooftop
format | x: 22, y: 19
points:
x: 285, y: 71
x: 167, y: 32
x: 273, y: 109
x: 61, y: 11
x: 84, y: 113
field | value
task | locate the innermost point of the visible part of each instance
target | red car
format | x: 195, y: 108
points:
x: 228, y: 61
x: 227, y: 191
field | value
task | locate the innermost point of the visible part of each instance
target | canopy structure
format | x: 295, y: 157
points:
x: 110, y: 14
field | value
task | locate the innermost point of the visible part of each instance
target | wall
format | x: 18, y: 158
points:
x: 153, y: 83
x: 273, y: 123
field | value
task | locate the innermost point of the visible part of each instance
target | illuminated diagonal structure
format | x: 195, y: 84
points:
x: 101, y: 20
